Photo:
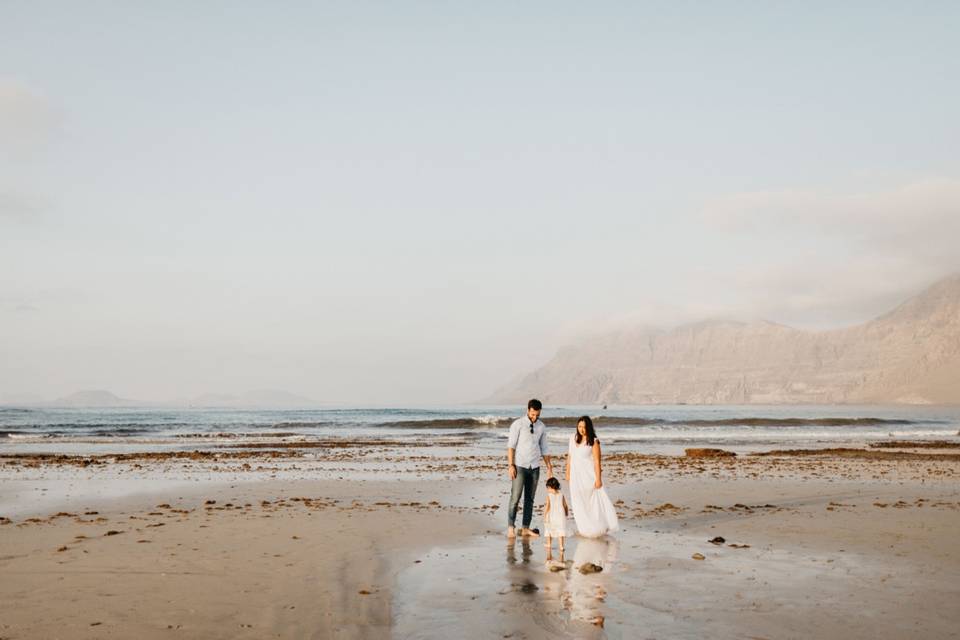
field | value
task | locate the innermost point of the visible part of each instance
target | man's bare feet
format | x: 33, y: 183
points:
x: 529, y: 533
x: 511, y: 532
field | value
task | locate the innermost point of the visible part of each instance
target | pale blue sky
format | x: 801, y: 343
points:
x: 413, y: 202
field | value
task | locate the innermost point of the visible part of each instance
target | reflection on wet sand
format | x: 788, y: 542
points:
x: 586, y: 590
x: 577, y: 587
x: 469, y: 591
x: 598, y: 551
x: 525, y: 554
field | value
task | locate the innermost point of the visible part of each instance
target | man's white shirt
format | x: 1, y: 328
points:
x: 528, y: 447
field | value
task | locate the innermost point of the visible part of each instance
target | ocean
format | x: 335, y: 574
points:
x: 647, y: 429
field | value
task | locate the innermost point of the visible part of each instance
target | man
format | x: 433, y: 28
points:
x: 527, y: 444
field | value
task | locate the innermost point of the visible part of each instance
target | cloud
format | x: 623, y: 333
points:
x: 10, y: 306
x: 18, y: 207
x: 27, y: 122
x: 838, y: 258
x: 27, y: 119
x: 905, y: 218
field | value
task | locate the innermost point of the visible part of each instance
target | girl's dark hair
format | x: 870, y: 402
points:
x: 591, y: 434
x: 553, y: 483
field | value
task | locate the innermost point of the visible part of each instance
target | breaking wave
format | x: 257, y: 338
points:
x: 571, y: 421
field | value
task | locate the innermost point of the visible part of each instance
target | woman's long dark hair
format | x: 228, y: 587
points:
x: 591, y: 434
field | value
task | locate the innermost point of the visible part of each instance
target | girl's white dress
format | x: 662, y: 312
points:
x: 592, y: 509
x: 555, y: 523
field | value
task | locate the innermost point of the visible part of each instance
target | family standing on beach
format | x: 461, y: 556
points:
x: 593, y: 512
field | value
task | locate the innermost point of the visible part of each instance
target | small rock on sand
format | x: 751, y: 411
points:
x: 698, y: 556
x: 717, y: 540
x: 589, y: 567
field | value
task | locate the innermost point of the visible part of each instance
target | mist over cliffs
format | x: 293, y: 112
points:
x: 909, y: 355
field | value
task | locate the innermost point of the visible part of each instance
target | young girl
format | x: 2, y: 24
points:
x: 554, y: 517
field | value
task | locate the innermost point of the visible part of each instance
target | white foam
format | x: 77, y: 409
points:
x: 490, y: 419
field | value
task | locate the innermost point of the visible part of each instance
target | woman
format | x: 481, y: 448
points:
x: 592, y: 509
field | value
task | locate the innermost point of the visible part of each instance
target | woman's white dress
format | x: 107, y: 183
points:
x: 555, y: 523
x: 592, y: 509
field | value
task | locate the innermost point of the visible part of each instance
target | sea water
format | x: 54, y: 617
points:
x: 656, y: 429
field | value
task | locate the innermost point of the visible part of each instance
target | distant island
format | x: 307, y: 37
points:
x: 93, y: 398
x: 909, y: 355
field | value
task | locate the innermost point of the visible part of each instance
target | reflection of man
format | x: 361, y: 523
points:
x: 527, y: 444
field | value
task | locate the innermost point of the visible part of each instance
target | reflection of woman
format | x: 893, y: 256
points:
x: 592, y: 509
x: 586, y: 592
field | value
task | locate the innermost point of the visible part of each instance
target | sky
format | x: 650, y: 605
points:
x: 413, y: 203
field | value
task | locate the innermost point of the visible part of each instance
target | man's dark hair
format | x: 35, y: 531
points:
x: 553, y: 483
x: 535, y: 404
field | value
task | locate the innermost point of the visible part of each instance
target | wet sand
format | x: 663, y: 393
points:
x: 407, y: 541
x: 257, y: 561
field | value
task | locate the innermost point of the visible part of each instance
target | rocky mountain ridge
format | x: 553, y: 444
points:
x: 909, y: 355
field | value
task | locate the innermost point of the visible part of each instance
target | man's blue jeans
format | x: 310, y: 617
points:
x: 525, y: 483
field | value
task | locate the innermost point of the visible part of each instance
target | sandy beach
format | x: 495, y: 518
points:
x: 221, y: 563
x: 382, y: 540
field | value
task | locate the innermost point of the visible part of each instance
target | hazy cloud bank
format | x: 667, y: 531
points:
x: 27, y: 122
x: 839, y: 257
